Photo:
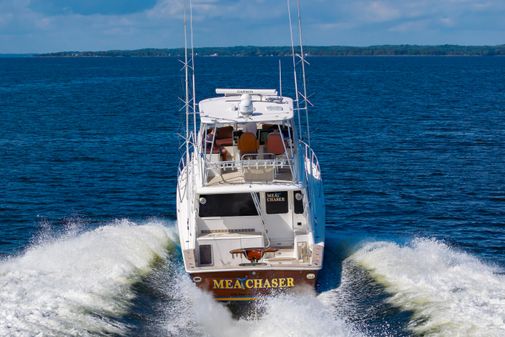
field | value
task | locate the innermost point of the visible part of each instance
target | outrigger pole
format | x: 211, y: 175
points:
x: 190, y: 78
x: 193, y: 76
x: 186, y: 75
x: 295, y: 74
x: 189, y: 100
x: 305, y: 101
x: 303, y: 104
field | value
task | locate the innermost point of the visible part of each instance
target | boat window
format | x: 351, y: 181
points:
x: 298, y: 202
x: 277, y: 202
x: 227, y: 205
x: 205, y: 254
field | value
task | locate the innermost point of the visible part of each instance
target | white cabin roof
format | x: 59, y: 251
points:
x: 266, y: 108
x: 249, y: 187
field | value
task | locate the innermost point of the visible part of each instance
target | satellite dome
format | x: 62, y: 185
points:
x: 246, y: 105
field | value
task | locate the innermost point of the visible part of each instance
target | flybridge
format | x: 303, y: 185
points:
x: 238, y: 92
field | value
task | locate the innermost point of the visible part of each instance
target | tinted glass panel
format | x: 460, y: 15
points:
x: 298, y: 203
x: 277, y: 202
x: 217, y: 205
x: 205, y: 254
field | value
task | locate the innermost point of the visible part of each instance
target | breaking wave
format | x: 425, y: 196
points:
x: 449, y: 292
x: 78, y: 285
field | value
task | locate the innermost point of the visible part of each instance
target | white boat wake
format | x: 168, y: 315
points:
x: 77, y: 286
x: 451, y: 293
x: 281, y: 316
x: 82, y: 285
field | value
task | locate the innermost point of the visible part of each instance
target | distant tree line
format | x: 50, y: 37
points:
x: 381, y: 50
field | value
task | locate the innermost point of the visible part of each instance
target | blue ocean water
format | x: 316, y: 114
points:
x: 413, y: 158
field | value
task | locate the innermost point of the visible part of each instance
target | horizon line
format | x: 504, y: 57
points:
x: 264, y: 46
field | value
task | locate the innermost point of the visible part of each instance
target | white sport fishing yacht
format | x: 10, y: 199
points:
x: 250, y: 202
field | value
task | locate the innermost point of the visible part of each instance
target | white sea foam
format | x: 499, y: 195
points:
x: 281, y: 316
x: 78, y: 285
x: 451, y: 293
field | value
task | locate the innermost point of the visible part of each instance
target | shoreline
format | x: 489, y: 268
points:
x: 284, y: 51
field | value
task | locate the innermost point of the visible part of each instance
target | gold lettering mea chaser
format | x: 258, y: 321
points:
x: 275, y: 283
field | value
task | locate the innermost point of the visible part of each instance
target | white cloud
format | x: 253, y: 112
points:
x: 410, y: 26
x: 166, y: 9
x: 382, y: 11
x: 447, y: 21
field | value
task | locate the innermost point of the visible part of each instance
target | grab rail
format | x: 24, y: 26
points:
x: 182, y: 174
x: 311, y: 161
x: 315, y: 189
x: 249, y: 163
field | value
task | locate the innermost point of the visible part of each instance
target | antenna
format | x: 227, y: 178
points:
x: 280, y: 77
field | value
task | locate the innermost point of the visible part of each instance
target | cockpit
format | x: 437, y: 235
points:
x: 248, y: 152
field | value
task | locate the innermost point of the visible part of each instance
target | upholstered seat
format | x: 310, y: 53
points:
x: 248, y: 143
x: 224, y: 136
x: 274, y: 144
x: 224, y: 142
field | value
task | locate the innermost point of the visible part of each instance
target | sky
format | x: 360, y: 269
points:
x: 34, y: 26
